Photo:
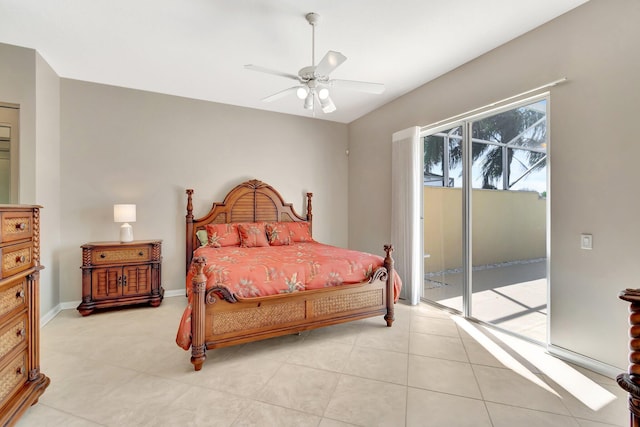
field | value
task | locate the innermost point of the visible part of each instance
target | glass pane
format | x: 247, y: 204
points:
x: 443, y: 218
x: 528, y: 171
x: 508, y: 277
x: 487, y: 166
x: 433, y: 160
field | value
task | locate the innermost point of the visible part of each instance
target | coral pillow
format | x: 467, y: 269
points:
x: 278, y: 234
x: 252, y: 234
x: 221, y: 235
x: 299, y: 231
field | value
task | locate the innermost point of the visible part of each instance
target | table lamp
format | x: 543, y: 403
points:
x: 125, y: 214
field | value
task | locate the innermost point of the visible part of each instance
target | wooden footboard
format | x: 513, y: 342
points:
x: 219, y: 319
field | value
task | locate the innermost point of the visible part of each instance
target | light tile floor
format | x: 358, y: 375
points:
x: 122, y: 368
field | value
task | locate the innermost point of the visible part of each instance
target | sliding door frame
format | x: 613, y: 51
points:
x: 466, y: 122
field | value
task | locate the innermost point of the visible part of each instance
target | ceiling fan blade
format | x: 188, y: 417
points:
x: 280, y: 94
x: 270, y: 71
x: 329, y: 63
x: 376, y: 88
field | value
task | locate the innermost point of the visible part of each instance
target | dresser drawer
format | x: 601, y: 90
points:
x: 13, y: 295
x: 16, y: 258
x: 13, y: 335
x: 117, y: 255
x: 16, y: 226
x: 13, y: 376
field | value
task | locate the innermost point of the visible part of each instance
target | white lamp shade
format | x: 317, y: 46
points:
x: 124, y: 213
x: 302, y: 92
x: 323, y: 93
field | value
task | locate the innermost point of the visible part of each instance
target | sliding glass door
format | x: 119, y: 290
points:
x: 485, y: 217
x: 443, y: 257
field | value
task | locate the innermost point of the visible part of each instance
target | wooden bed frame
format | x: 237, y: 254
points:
x: 220, y: 319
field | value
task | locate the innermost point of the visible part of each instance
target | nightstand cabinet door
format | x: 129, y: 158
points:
x: 118, y: 274
x: 106, y: 282
x: 136, y: 280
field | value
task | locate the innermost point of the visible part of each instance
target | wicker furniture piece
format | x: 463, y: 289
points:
x: 220, y: 319
x: 118, y: 274
x: 21, y: 382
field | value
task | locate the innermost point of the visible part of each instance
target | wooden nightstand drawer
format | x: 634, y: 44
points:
x: 16, y: 258
x: 12, y: 296
x: 120, y: 255
x: 16, y: 226
x: 13, y: 335
x: 13, y: 376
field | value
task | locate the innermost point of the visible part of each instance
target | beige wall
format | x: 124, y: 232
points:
x: 127, y: 146
x: 593, y: 160
x: 509, y: 226
x: 18, y: 86
x: 47, y: 179
x: 26, y: 79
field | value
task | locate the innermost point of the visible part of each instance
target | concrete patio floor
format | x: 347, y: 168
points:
x: 512, y: 296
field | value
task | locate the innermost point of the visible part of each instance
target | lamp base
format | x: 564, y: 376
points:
x: 126, y: 233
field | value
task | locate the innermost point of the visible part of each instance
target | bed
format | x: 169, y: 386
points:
x: 242, y: 294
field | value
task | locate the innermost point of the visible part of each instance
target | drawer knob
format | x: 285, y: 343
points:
x: 21, y: 333
x: 20, y: 370
x: 21, y: 226
x: 20, y: 293
x: 103, y: 256
x: 141, y: 253
x: 20, y: 258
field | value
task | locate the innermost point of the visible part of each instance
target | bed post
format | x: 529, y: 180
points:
x: 198, y: 314
x: 388, y: 264
x: 309, y: 212
x: 630, y: 381
x: 189, y: 217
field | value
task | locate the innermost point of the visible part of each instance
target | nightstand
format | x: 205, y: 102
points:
x: 118, y: 274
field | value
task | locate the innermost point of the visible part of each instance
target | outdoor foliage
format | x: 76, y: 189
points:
x: 513, y: 131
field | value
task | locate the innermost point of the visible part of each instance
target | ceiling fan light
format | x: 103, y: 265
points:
x: 308, y: 101
x: 302, y: 92
x: 327, y: 105
x: 323, y: 93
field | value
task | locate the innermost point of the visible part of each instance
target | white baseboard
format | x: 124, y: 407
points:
x: 50, y: 315
x: 74, y: 304
x: 175, y: 293
x: 584, y: 361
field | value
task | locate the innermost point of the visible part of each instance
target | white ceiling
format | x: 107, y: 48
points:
x: 197, y: 48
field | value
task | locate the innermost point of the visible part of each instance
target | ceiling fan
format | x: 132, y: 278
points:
x: 314, y: 81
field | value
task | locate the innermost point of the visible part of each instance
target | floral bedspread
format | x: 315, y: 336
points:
x: 262, y: 271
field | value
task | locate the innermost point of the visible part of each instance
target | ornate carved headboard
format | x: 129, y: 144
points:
x: 250, y: 201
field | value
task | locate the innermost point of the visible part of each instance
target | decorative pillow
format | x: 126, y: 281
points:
x: 278, y: 234
x: 300, y: 231
x: 221, y: 235
x: 252, y: 234
x: 202, y: 237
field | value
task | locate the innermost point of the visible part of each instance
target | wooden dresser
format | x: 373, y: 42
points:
x: 21, y: 382
x: 117, y: 274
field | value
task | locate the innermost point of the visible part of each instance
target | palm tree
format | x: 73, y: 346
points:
x: 493, y: 137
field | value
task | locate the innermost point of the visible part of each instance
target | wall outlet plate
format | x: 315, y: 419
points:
x: 586, y: 241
